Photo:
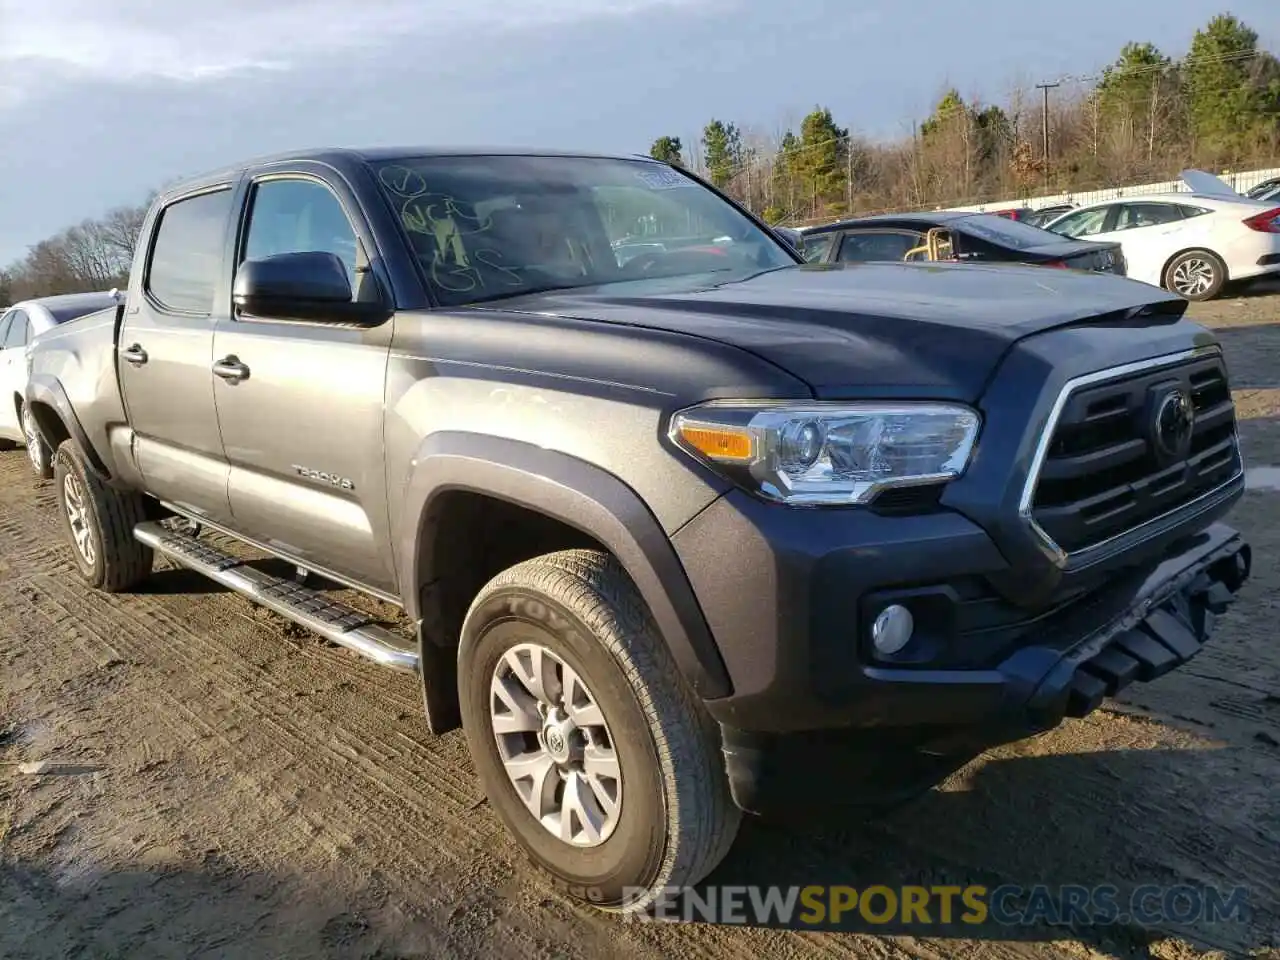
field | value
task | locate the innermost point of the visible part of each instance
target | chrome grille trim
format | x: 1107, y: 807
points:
x: 1027, y: 499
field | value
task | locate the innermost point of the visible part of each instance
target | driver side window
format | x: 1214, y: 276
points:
x: 300, y: 216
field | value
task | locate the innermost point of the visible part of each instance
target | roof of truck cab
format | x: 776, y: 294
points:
x: 340, y: 157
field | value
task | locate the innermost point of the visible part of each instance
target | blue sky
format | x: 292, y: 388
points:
x: 101, y: 100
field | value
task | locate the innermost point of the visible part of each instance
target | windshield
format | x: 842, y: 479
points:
x: 484, y: 227
x: 1007, y: 233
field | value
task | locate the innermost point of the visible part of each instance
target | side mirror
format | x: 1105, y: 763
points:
x: 310, y: 285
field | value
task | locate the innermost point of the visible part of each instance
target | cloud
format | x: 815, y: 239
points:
x: 198, y: 40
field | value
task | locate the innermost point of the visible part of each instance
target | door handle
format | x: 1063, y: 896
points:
x: 230, y: 368
x: 135, y: 355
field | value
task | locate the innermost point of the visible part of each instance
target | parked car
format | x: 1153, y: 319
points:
x: 954, y: 235
x: 19, y: 325
x: 1191, y: 243
x: 704, y: 533
x: 1032, y: 216
x: 1039, y: 216
x: 1265, y: 190
x: 1271, y: 193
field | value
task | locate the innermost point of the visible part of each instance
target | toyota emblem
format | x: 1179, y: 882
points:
x: 1172, y: 425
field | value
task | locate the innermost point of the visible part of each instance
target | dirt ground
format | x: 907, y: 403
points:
x: 221, y: 784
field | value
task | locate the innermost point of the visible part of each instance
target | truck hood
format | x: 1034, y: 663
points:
x: 893, y: 329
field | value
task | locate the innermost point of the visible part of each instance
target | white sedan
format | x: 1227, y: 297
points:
x: 1190, y: 243
x: 19, y: 324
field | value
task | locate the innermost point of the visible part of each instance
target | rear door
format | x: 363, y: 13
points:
x: 13, y: 326
x: 166, y: 352
x: 303, y: 428
x: 1149, y: 233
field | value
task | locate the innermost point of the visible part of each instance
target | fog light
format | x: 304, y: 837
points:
x: 892, y: 629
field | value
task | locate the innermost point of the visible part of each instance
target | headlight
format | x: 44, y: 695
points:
x: 828, y: 453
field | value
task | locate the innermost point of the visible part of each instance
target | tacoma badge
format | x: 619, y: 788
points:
x: 332, y: 479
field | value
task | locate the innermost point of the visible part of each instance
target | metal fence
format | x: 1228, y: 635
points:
x: 1239, y: 182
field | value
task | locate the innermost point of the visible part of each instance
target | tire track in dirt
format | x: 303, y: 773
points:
x: 294, y: 771
x: 408, y: 787
x: 75, y: 609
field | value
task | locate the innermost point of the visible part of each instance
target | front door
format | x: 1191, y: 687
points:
x: 166, y: 354
x: 302, y: 407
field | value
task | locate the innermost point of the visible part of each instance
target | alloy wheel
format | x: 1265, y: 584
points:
x: 34, y: 444
x: 78, y: 517
x: 1193, y: 277
x: 555, y: 745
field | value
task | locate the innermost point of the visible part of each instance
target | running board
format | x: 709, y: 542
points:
x: 336, y: 622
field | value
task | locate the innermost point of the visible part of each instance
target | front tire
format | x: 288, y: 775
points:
x: 1196, y: 275
x: 590, y: 747
x: 38, y: 451
x: 98, y: 522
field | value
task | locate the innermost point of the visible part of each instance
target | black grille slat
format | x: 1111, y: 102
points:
x: 1069, y: 467
x: 1100, y: 476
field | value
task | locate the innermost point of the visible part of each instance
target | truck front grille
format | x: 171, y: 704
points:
x: 1107, y: 468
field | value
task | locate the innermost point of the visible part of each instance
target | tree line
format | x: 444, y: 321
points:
x: 1145, y: 117
x: 93, y: 255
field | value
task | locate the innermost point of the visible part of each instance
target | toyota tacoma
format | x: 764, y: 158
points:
x: 693, y: 531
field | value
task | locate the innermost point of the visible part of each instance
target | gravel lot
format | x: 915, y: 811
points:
x: 224, y: 785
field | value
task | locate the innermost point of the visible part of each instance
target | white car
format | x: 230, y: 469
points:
x: 20, y: 324
x: 1190, y: 243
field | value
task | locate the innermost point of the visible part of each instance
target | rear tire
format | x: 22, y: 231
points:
x: 37, y: 450
x: 98, y: 522
x: 1196, y: 275
x: 643, y: 774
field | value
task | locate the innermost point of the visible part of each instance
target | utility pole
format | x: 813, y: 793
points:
x: 848, y: 175
x: 1044, y: 121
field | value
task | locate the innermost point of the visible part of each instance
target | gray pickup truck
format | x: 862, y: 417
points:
x: 693, y: 531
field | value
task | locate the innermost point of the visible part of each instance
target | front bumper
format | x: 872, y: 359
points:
x: 806, y: 690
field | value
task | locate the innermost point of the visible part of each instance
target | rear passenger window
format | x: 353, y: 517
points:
x: 186, y: 259
x: 1136, y: 215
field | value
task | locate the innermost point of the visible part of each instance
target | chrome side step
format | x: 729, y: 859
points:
x: 336, y: 622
